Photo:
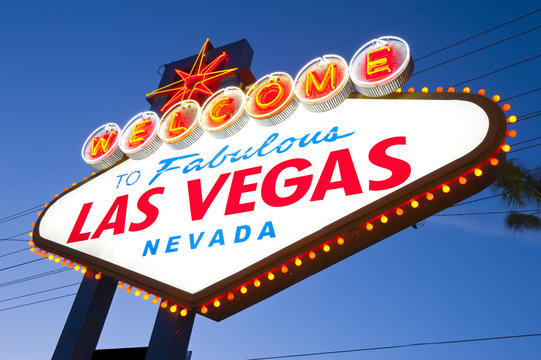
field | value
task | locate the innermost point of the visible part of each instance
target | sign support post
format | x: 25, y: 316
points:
x: 86, y: 318
x: 170, y: 336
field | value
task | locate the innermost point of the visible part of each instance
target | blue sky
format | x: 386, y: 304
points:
x: 69, y: 66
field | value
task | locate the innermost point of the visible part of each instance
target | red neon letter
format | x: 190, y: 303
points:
x: 348, y: 176
x: 325, y: 86
x: 221, y: 110
x: 379, y: 61
x: 198, y: 206
x: 269, y: 96
x: 76, y: 234
x: 175, y: 127
x: 400, y: 169
x: 120, y: 206
x: 238, y: 187
x: 139, y: 133
x: 302, y: 183
x: 151, y: 212
x: 100, y: 145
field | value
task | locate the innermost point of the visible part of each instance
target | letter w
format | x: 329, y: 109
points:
x: 100, y: 145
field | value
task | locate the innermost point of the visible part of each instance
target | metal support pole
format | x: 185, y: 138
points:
x: 86, y: 318
x: 170, y: 336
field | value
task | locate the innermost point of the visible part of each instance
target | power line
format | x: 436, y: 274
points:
x: 39, y: 292
x: 444, y: 342
x: 476, y: 35
x: 525, y: 141
x: 32, y: 277
x: 22, y: 213
x: 489, y: 213
x: 11, y: 238
x: 476, y: 50
x: 21, y: 264
x: 498, y: 70
x: 527, y: 117
x: 37, y: 302
x: 519, y: 95
x: 476, y: 200
x: 368, y: 31
x: 525, y: 148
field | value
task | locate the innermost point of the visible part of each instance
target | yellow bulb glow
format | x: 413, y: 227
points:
x: 243, y: 289
x: 33, y: 249
x: 137, y: 292
x: 506, y: 148
x: 204, y: 309
x: 77, y: 267
x: 183, y: 312
x: 83, y: 270
x: 466, y: 90
x: 424, y: 90
x: 173, y: 308
x: 31, y: 233
x: 445, y: 188
x: 414, y: 204
x: 155, y: 300
x: 298, y: 262
x: 57, y: 260
x: 496, y: 98
x: 369, y: 227
x: 399, y: 90
x: 384, y: 219
x: 478, y: 172
x: 217, y: 303
x: 98, y: 276
x: 326, y: 248
x: 512, y: 119
x: 270, y: 276
x: 146, y: 296
x: 312, y: 255
x: 257, y: 283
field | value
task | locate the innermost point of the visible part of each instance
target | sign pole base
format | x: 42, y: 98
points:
x: 86, y: 318
x: 170, y: 336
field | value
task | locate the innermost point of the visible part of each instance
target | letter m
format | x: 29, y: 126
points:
x: 321, y: 87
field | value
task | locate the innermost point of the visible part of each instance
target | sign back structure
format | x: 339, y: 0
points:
x: 270, y: 192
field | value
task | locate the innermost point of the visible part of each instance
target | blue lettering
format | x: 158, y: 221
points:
x: 166, y: 163
x: 243, y: 228
x: 153, y: 248
x: 217, y: 238
x: 172, y: 243
x: 268, y: 230
x: 194, y: 243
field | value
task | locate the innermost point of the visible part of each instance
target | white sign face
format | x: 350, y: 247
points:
x: 194, y: 217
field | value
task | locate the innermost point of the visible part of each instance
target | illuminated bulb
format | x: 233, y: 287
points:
x: 216, y: 303
x: 57, y: 259
x: 183, y: 312
x: 270, y: 276
x: 92, y: 174
x: 506, y: 107
x: 55, y: 195
x: 146, y: 296
x: 466, y: 90
x: 65, y: 189
x: 451, y: 89
x: 439, y: 89
x: 506, y: 148
x: 97, y: 276
x: 85, y: 178
x: 478, y: 172
x: 83, y: 270
x: 45, y: 254
x: 33, y: 248
x: 155, y: 300
x: 70, y: 264
x: 204, y: 309
x: 230, y: 297
x: 414, y: 204
x: 481, y: 92
x: 399, y: 90
x: 163, y: 304
x: 512, y: 133
x: 129, y: 289
x: 411, y: 90
x: 137, y: 292
x: 63, y: 262
x: 326, y: 248
x: 425, y: 90
x: 399, y: 212
x: 340, y: 241
x: 173, y: 308
x: 38, y: 252
x: 284, y: 269
x: 312, y: 255
x: 384, y: 219
x: 243, y: 289
x: 33, y: 224
x: 445, y: 188
x: 369, y: 226
x: 50, y: 257
x: 77, y: 267
x: 494, y: 161
x: 496, y: 98
x: 257, y: 283
x: 121, y: 285
x: 73, y: 184
x: 31, y: 233
x: 462, y: 180
x: 512, y: 119
x: 429, y: 196
x: 39, y: 213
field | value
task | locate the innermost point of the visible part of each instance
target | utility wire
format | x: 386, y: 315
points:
x: 37, y: 302
x: 476, y: 200
x: 523, y: 118
x: 498, y: 70
x: 445, y: 342
x: 477, y: 35
x: 525, y: 141
x: 11, y: 238
x: 22, y: 213
x: 21, y: 264
x: 519, y: 95
x: 476, y: 50
x: 32, y: 277
x: 39, y: 292
x: 490, y: 213
x: 525, y: 148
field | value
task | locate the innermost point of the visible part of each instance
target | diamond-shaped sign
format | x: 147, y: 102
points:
x: 225, y: 223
